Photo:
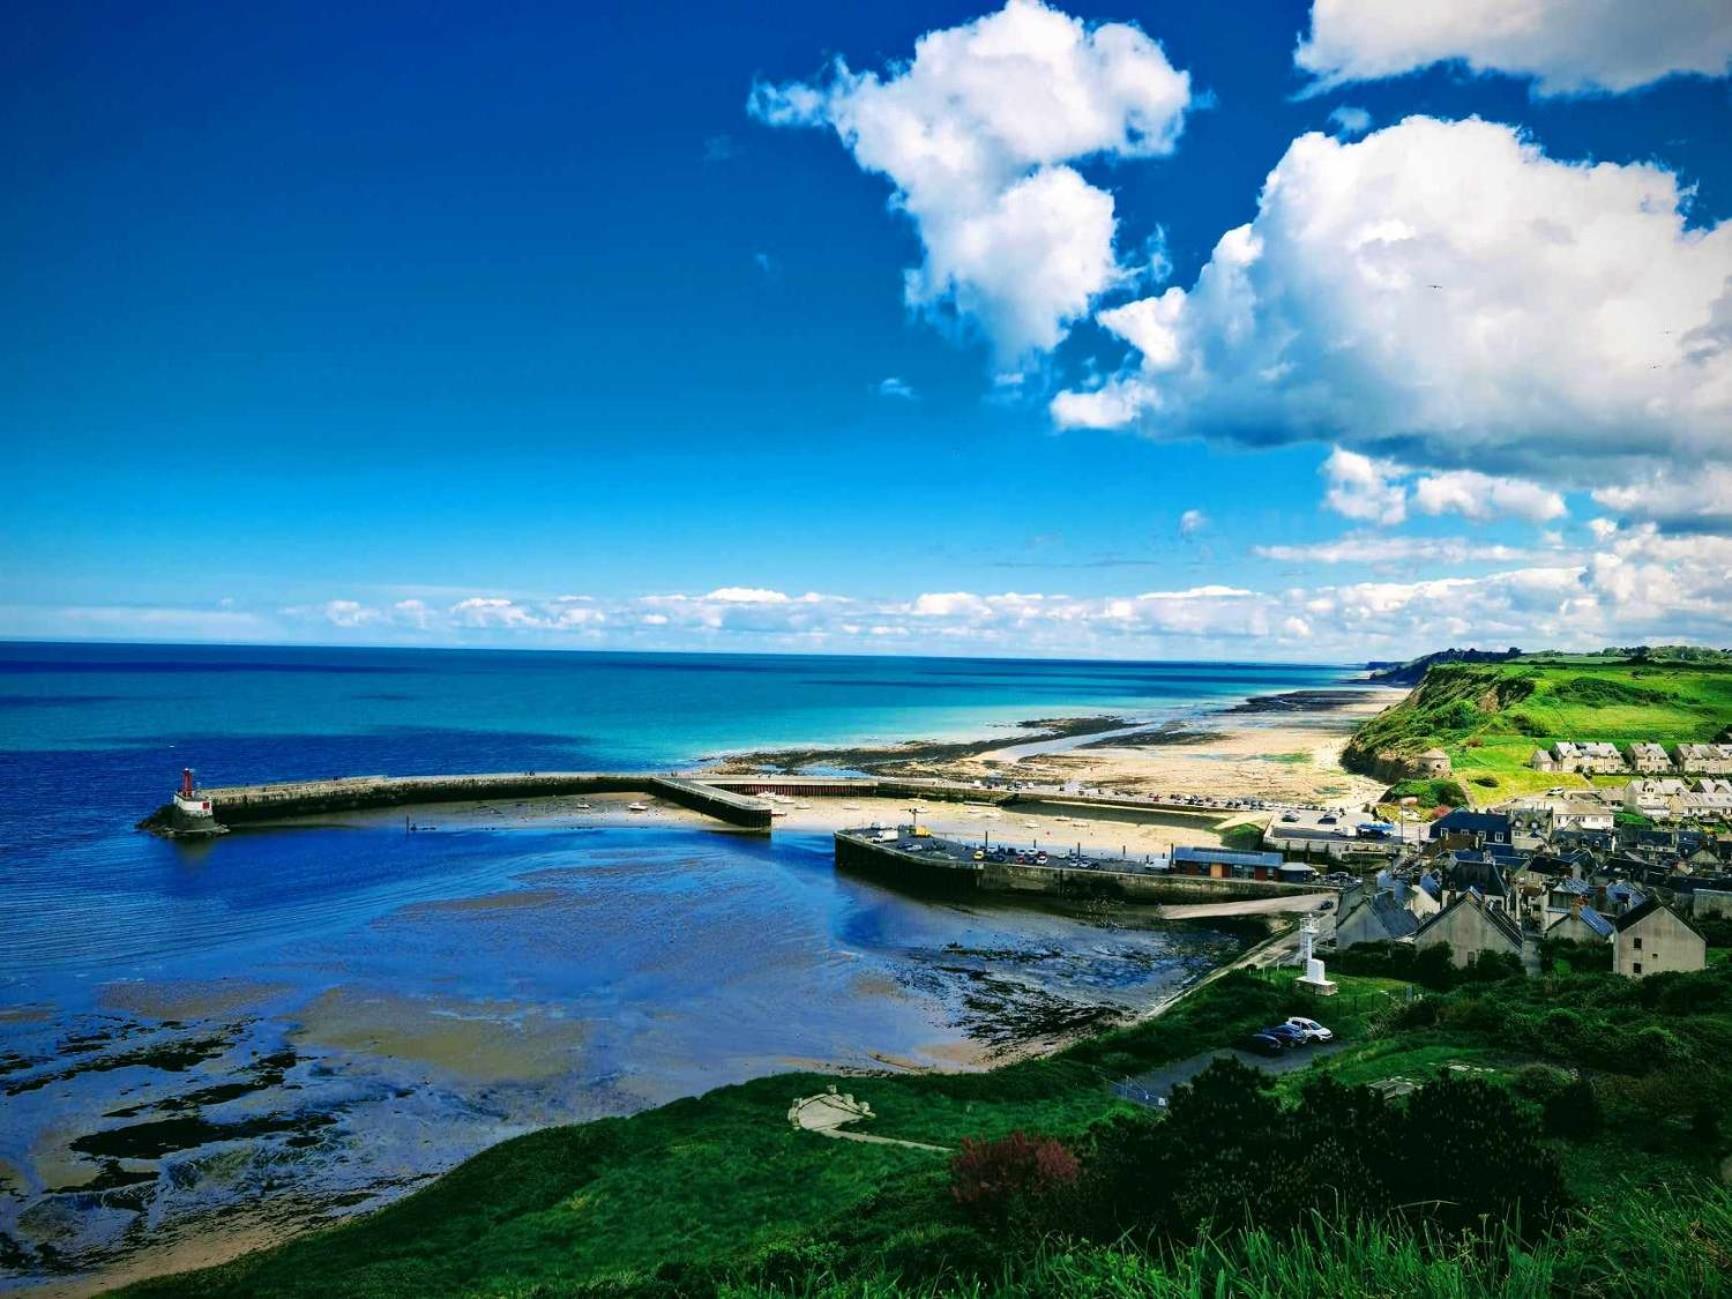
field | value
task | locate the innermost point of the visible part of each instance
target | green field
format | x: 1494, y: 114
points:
x: 1490, y: 718
x: 719, y: 1195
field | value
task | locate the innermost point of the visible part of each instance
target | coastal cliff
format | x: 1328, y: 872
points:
x: 1486, y: 719
x: 1451, y: 701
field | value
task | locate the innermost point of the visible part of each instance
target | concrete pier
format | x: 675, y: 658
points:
x: 933, y: 865
x: 727, y: 798
x: 251, y: 804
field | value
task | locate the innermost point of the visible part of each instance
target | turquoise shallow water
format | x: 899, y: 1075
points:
x: 337, y: 1014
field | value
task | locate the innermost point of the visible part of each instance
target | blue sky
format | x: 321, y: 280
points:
x: 456, y: 324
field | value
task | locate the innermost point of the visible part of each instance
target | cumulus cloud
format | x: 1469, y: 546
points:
x: 1566, y: 46
x: 1474, y: 495
x: 1445, y: 294
x: 1364, y: 489
x: 349, y: 613
x: 1697, y: 499
x: 1193, y: 523
x: 976, y: 133
x: 894, y: 387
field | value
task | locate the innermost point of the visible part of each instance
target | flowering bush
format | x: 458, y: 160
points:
x: 1012, y: 1178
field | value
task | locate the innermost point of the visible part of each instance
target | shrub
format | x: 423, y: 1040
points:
x: 1228, y: 1152
x: 1005, y: 1181
x: 1540, y: 1082
x: 1573, y: 1111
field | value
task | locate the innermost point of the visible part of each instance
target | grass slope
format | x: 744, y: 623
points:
x: 1490, y: 718
x: 719, y: 1195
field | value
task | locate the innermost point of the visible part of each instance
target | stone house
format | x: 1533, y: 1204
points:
x: 1655, y: 799
x: 1433, y: 763
x: 1593, y: 757
x: 1711, y: 902
x: 1583, y: 925
x: 1654, y: 939
x: 1384, y: 917
x: 1649, y: 758
x: 1705, y: 759
x: 1467, y: 926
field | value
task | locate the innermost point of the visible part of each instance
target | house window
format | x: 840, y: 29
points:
x: 1636, y: 968
x: 1637, y: 943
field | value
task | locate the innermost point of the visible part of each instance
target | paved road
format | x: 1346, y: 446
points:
x: 1250, y: 907
x: 1155, y: 1086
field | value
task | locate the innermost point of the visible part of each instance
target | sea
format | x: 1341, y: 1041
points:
x: 242, y: 1038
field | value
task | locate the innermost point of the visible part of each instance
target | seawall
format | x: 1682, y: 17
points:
x: 926, y: 872
x: 250, y: 804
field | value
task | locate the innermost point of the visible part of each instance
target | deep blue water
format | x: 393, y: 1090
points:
x: 94, y: 736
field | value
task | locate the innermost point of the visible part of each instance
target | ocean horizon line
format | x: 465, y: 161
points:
x: 598, y: 652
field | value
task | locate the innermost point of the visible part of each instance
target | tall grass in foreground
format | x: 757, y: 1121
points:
x: 1653, y: 1244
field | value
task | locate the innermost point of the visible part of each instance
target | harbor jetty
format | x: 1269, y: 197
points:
x: 909, y: 857
x: 236, y: 805
x: 731, y: 799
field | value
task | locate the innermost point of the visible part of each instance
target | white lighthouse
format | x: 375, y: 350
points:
x: 1313, y: 980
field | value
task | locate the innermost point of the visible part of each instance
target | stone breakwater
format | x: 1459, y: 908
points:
x: 253, y: 804
x: 957, y: 873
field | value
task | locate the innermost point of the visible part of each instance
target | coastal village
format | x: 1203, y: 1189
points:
x: 1634, y: 863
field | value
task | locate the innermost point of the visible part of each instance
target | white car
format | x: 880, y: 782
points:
x: 1314, y: 1032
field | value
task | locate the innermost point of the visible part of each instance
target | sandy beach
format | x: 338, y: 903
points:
x: 1280, y: 748
x: 1287, y: 752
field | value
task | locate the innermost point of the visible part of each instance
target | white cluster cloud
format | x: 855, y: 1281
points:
x: 1377, y: 491
x: 1474, y: 495
x: 1362, y: 488
x: 1690, y: 498
x: 1634, y: 582
x: 1445, y: 295
x: 976, y: 133
x: 1567, y: 46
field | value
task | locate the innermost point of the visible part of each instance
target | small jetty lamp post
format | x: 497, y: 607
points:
x: 1313, y: 979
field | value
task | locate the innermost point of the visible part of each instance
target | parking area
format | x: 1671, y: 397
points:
x: 1153, y: 1088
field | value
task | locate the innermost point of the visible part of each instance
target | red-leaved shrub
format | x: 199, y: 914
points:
x: 1011, y: 1177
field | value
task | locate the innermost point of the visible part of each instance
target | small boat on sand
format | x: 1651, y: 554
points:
x: 637, y: 807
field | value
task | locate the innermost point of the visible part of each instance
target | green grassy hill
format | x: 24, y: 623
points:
x: 1490, y: 718
x: 718, y: 1195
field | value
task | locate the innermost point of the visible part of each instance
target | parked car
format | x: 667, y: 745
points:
x: 1313, y: 1031
x: 1286, y: 1034
x: 1265, y: 1044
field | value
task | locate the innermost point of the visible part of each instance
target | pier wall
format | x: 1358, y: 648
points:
x: 723, y: 804
x: 923, y: 873
x: 252, y: 804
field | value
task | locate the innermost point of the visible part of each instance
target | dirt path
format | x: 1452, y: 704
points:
x: 828, y: 1113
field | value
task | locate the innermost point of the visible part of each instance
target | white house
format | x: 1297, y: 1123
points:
x: 1656, y: 799
x: 1654, y: 939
